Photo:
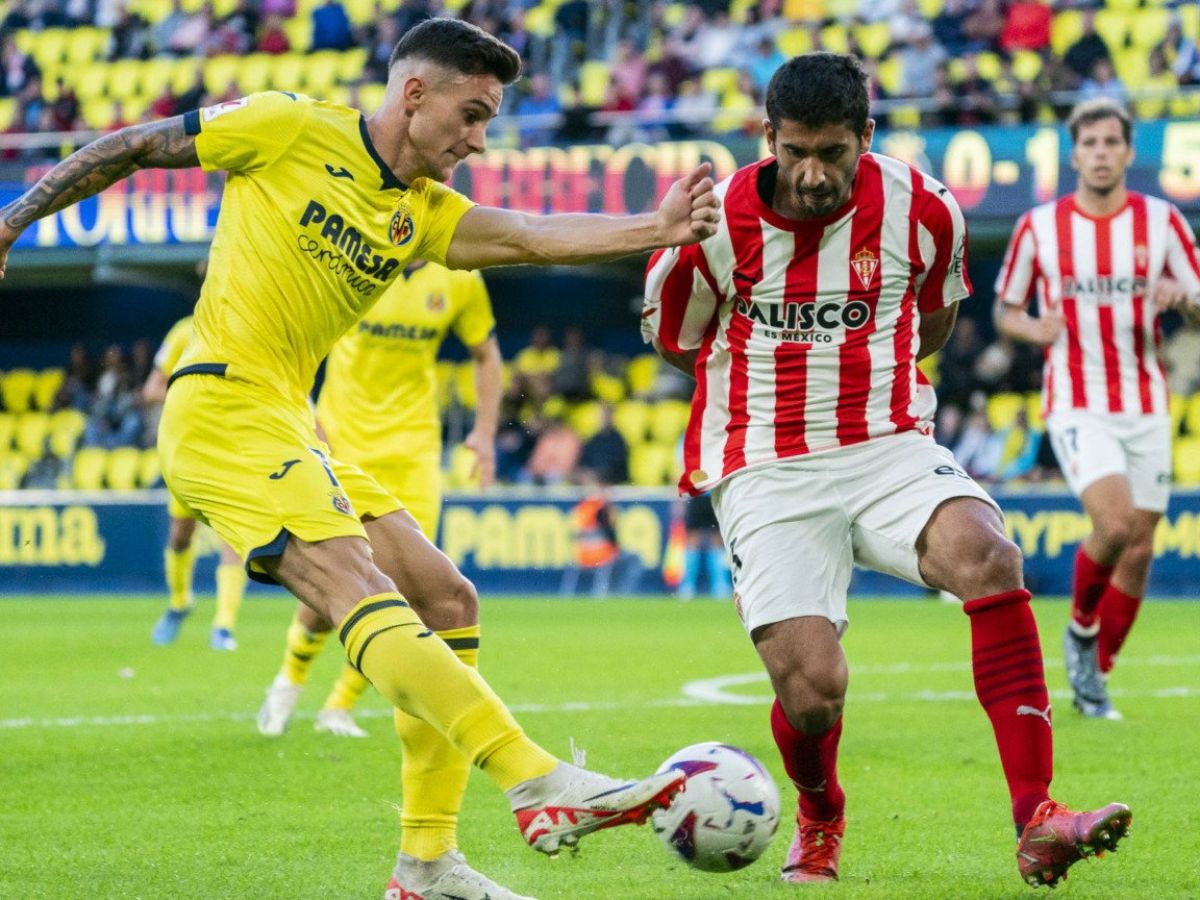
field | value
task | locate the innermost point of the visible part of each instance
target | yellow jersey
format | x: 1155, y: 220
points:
x: 313, y: 227
x: 173, y: 345
x: 379, y: 399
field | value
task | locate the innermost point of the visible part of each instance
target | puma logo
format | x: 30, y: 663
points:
x: 1024, y: 710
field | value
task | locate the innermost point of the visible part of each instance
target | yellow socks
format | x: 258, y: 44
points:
x: 231, y: 587
x: 416, y: 672
x: 178, y: 565
x: 433, y: 774
x: 347, y: 690
x: 302, y: 648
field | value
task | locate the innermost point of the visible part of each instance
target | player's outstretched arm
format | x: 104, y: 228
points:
x: 485, y: 236
x: 1014, y: 322
x: 935, y: 329
x: 89, y: 170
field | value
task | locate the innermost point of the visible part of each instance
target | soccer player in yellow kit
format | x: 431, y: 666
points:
x: 379, y: 410
x: 321, y: 209
x: 179, y: 557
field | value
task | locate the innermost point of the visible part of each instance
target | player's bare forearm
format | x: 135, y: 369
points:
x: 155, y: 388
x: 685, y: 362
x: 935, y: 329
x: 489, y: 373
x: 100, y: 164
x: 1015, y: 323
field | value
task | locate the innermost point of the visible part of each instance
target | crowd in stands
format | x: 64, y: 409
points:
x: 680, y: 68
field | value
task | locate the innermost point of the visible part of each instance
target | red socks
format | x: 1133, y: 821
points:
x: 1006, y: 656
x: 1088, y: 586
x: 1117, y: 612
x: 811, y: 762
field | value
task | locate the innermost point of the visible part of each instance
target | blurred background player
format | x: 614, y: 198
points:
x: 179, y: 556
x: 597, y: 546
x: 705, y: 550
x: 1104, y: 262
x: 378, y: 408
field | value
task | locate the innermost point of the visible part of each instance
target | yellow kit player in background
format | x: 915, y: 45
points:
x: 379, y: 410
x: 179, y: 556
x: 321, y: 209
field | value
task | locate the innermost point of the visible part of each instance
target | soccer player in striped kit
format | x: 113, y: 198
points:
x: 1103, y: 262
x: 832, y: 272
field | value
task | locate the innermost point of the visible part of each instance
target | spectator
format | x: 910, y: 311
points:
x: 571, y: 379
x: 117, y: 119
x: 704, y: 545
x: 191, y: 33
x: 130, y: 37
x: 114, y: 419
x: 945, y: 105
x: 694, y: 109
x: 412, y: 12
x: 381, y: 41
x: 977, y: 449
x: 576, y: 125
x: 1103, y: 82
x: 763, y: 61
x: 64, y: 111
x: 713, y: 43
x: 164, y: 29
x: 975, y: 96
x: 44, y: 473
x: 79, y: 382
x: 919, y: 62
x: 195, y: 96
x: 1181, y: 52
x: 629, y: 69
x: 273, y: 39
x: 1081, y: 57
x: 605, y: 455
x: 948, y: 28
x: 540, y: 101
x: 17, y: 69
x: 285, y: 9
x: 982, y: 27
x: 654, y: 110
x: 1162, y: 81
x: 956, y: 363
x: 1019, y: 445
x: 904, y: 26
x: 598, y: 548
x: 555, y: 453
x: 514, y: 441
x: 331, y: 27
x: 1026, y: 26
x: 534, y: 366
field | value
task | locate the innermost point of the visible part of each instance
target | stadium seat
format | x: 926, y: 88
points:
x: 1065, y: 29
x: 641, y: 373
x: 49, y: 48
x: 32, y: 429
x: 459, y: 474
x: 906, y: 117
x: 286, y: 71
x: 794, y: 41
x: 350, y: 64
x: 299, y: 33
x: 150, y: 471
x: 85, y: 45
x: 1176, y: 406
x: 253, y: 72
x: 608, y: 388
x: 8, y: 110
x: 650, y: 465
x: 1191, y: 419
x: 540, y: 21
x: 66, y: 427
x: 1189, y: 18
x: 444, y: 375
x: 891, y: 75
x: 124, y: 78
x: 1114, y: 26
x: 719, y: 82
x: 98, y: 113
x: 1150, y: 27
x: 12, y: 469
x: 464, y: 384
x: 632, y: 419
x: 874, y: 38
x: 1132, y: 67
x: 123, y: 468
x: 321, y: 72
x: 1033, y: 411
x: 1187, y: 461
x: 370, y: 96
x: 8, y: 429
x: 87, y: 469
x: 594, y: 78
x: 1002, y: 409
x: 835, y: 38
x: 17, y: 389
x: 585, y: 418
x: 220, y: 72
x: 930, y: 8
x: 360, y: 11
x: 668, y: 419
x: 1026, y: 65
x: 989, y: 65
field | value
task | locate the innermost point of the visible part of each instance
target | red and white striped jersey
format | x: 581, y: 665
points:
x: 807, y: 330
x: 1097, y: 274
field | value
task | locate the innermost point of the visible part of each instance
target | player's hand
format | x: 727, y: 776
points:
x: 1047, y: 327
x: 8, y: 237
x: 484, y: 448
x: 1168, y: 293
x: 690, y: 211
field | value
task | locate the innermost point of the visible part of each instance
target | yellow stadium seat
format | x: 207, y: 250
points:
x: 156, y: 73
x: 66, y: 427
x: 1185, y: 106
x: 1187, y: 460
x: 989, y: 65
x: 1002, y: 409
x: 8, y: 110
x: 287, y: 72
x: 1191, y: 417
x: 1149, y: 27
x: 540, y: 21
x: 632, y: 419
x: 906, y: 117
x: 17, y: 389
x: 668, y: 420
x: 124, y: 78
x: 738, y: 10
x: 1114, y: 27
x: 12, y: 469
x: 607, y: 388
x: 123, y: 468
x: 321, y: 71
x: 87, y: 468
x: 1132, y: 67
x: 150, y: 471
x: 1065, y: 29
x: 50, y: 47
x: 85, y: 45
x: 585, y: 418
x: 794, y: 41
x: 445, y: 376
x: 360, y: 11
x: 464, y: 384
x: 299, y: 33
x: 219, y: 73
x: 462, y: 463
x: 350, y: 64
x: 183, y: 74
x: 835, y: 38
x: 8, y: 429
x: 1033, y: 411
x: 594, y: 78
x: 253, y: 72
x: 370, y: 97
x: 1189, y: 18
x: 719, y: 82
x: 97, y: 113
x: 891, y: 75
x: 641, y: 373
x: 1026, y: 65
x: 649, y: 465
x: 841, y: 10
x: 32, y: 429
x: 1176, y: 406
x: 222, y: 8
x: 930, y: 8
x: 1125, y: 5
x: 874, y: 38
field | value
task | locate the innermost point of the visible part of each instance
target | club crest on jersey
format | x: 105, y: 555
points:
x: 864, y: 263
x: 341, y: 503
x: 401, y: 230
x: 436, y: 302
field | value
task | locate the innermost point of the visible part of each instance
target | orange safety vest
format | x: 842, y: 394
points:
x: 592, y: 546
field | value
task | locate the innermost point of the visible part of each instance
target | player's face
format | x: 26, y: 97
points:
x: 817, y: 164
x: 1101, y: 155
x: 450, y: 120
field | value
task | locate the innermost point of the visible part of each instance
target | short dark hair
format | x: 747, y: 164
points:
x: 818, y: 89
x: 460, y: 46
x: 1096, y: 110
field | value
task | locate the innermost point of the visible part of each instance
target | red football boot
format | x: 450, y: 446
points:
x: 1055, y: 838
x: 815, y: 850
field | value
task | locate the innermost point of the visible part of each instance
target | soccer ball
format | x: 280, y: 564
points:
x: 727, y: 812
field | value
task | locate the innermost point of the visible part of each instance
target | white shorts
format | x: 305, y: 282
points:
x: 1090, y: 446
x: 795, y: 528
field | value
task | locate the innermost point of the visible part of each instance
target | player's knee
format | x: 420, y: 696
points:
x: 1113, y: 532
x: 464, y: 598
x: 1138, y: 555
x: 812, y: 706
x: 1001, y: 563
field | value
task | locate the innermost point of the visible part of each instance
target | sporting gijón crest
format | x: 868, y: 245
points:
x: 864, y: 263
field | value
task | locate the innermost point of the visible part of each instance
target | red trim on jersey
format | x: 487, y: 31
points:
x: 854, y: 357
x: 1066, y: 269
x: 791, y: 359
x: 745, y: 233
x: 1104, y: 312
x: 1141, y: 269
x: 1024, y: 227
x: 1181, y: 233
x: 936, y: 218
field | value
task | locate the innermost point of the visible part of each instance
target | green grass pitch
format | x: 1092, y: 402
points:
x: 132, y: 771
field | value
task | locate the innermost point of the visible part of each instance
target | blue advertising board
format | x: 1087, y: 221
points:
x: 507, y: 543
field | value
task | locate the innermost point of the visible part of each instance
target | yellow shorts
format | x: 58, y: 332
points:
x: 415, y: 480
x: 252, y: 467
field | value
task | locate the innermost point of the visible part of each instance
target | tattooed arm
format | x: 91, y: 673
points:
x: 89, y: 170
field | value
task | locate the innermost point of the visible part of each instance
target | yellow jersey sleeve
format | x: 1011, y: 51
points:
x: 167, y: 357
x: 247, y: 134
x: 443, y: 207
x: 475, y: 321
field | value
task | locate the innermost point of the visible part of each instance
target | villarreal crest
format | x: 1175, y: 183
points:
x: 401, y: 230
